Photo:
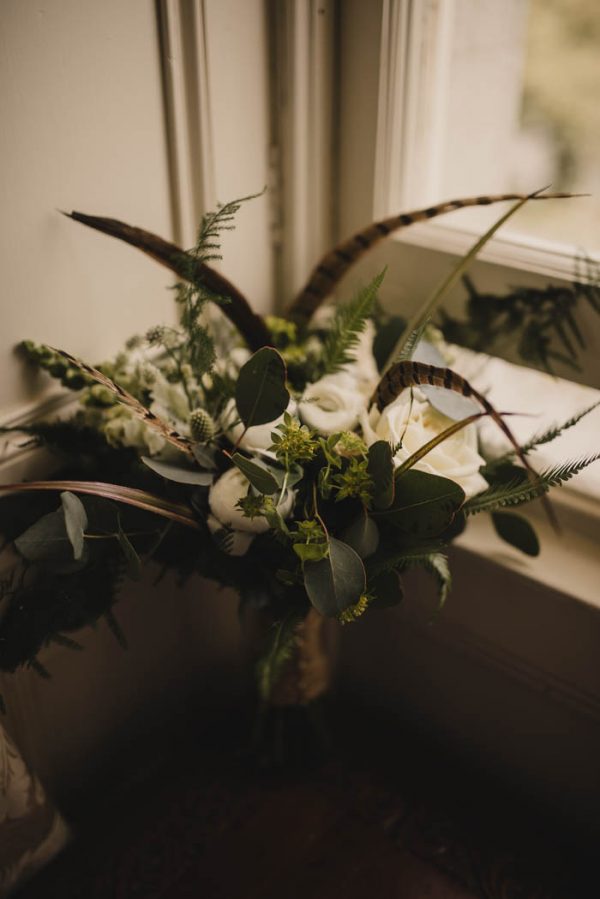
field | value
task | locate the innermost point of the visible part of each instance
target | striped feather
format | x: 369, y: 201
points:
x: 123, y: 396
x: 334, y: 265
x: 415, y: 374
x: 250, y: 325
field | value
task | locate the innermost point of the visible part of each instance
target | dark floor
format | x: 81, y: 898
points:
x: 385, y: 815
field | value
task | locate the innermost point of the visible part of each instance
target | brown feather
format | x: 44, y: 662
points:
x: 334, y: 265
x: 414, y: 374
x: 238, y: 310
x: 123, y: 396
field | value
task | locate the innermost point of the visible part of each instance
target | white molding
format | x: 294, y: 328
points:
x: 188, y: 114
x: 457, y: 635
x: 415, y: 42
x: 303, y: 62
x: 16, y: 457
x: 511, y: 249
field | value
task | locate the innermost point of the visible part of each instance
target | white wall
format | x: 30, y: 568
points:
x: 88, y: 124
x: 83, y: 128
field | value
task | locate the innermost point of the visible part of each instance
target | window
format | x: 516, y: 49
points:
x: 444, y: 99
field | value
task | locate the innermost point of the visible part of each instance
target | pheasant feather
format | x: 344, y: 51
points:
x: 123, y: 396
x: 415, y: 374
x: 334, y: 265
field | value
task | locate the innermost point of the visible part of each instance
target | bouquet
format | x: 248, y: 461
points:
x: 306, y: 460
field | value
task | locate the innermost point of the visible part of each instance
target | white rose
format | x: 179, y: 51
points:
x: 222, y: 500
x: 239, y: 541
x: 363, y: 367
x: 455, y: 458
x: 332, y: 404
x: 257, y: 439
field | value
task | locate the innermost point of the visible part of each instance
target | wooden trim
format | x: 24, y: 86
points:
x: 303, y: 76
x: 188, y: 114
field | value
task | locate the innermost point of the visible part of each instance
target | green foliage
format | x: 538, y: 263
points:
x: 193, y: 295
x: 539, y: 439
x: 354, y: 481
x: 381, y: 469
x: 540, y: 323
x: 75, y: 521
x: 55, y: 364
x: 348, y: 324
x: 518, y: 491
x: 279, y: 652
x: 362, y: 535
x: 181, y: 474
x: 258, y: 474
x: 336, y: 583
x: 293, y: 443
x: 424, y: 505
x: 418, y: 323
x: 202, y: 426
x: 310, y: 542
x: 517, y: 531
x: 260, y: 392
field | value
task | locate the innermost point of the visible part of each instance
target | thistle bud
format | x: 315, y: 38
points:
x: 202, y: 426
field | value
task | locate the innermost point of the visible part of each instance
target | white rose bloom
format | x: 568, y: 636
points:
x: 455, y: 458
x: 239, y: 542
x: 222, y: 499
x: 363, y: 367
x: 257, y: 439
x: 332, y: 404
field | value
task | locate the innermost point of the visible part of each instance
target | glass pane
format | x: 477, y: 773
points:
x: 559, y: 135
x: 522, y: 110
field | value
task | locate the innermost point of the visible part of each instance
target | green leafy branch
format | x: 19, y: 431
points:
x: 348, y: 324
x: 518, y: 491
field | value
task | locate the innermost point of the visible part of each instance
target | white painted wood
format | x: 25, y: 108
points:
x: 184, y: 54
x: 82, y: 128
x: 304, y: 73
x: 239, y: 105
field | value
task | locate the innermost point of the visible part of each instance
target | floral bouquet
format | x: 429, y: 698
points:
x: 306, y: 460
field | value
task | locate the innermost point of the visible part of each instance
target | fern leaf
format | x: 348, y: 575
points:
x: 545, y: 436
x: 348, y: 324
x: 279, y: 652
x: 437, y: 565
x: 517, y: 492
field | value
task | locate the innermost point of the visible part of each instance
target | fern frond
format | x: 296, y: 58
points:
x: 517, y: 491
x: 436, y: 564
x: 348, y: 324
x: 544, y: 436
x: 278, y: 654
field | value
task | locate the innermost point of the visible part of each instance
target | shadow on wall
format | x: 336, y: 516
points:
x: 183, y: 653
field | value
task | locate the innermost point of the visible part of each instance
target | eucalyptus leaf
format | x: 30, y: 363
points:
x: 75, y: 521
x: 362, y: 535
x: 204, y: 457
x: 181, y: 474
x: 260, y: 392
x: 517, y: 531
x: 381, y: 469
x: 47, y: 543
x: 258, y: 475
x: 424, y: 504
x: 337, y: 582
